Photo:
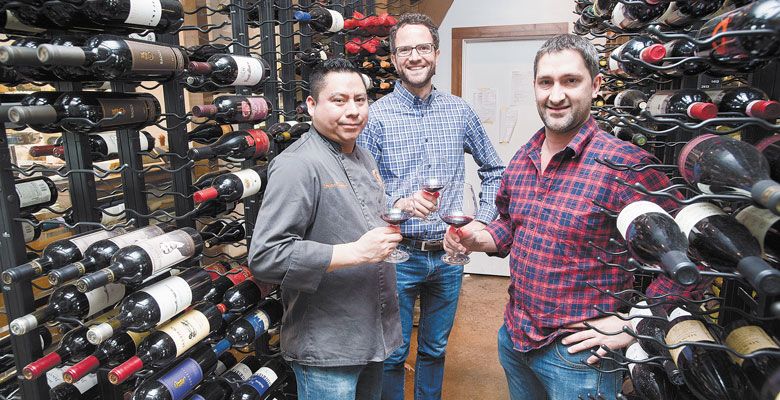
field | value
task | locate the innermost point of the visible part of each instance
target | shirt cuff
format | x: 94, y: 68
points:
x: 499, y: 235
x: 307, y: 265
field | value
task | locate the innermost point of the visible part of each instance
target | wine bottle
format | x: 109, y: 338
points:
x: 67, y: 301
x: 708, y: 373
x: 203, y: 52
x: 746, y: 338
x: 650, y: 381
x: 86, y: 112
x: 746, y: 100
x: 681, y: 13
x: 283, y: 132
x: 235, y: 109
x: 202, y: 84
x: 770, y: 148
x: 154, y: 304
x: 9, y: 23
x: 651, y: 322
x: 57, y: 254
x: 40, y: 99
x: 98, y: 255
x: 22, y: 56
x: 145, y: 258
x: 722, y: 243
x: 236, y: 146
x: 102, y: 146
x: 377, y: 66
x: 223, y: 279
x: 627, y: 134
x: 677, y: 50
x: 35, y: 193
x: 213, y: 209
x: 233, y: 70
x: 31, y: 231
x: 83, y: 389
x: 248, y: 328
x: 639, y: 48
x: 239, y: 298
x: 111, y: 58
x: 171, y: 340
x: 636, y: 16
x: 742, y: 53
x: 244, y: 369
x: 302, y: 108
x: 225, y: 362
x: 160, y: 16
x: 179, y: 380
x: 261, y: 381
x: 117, y: 349
x: 234, y: 186
x: 765, y: 227
x: 695, y: 104
x: 209, y: 133
x: 722, y: 165
x: 630, y: 101
x: 312, y: 56
x: 111, y: 210
x: 73, y: 347
x: 223, y: 231
x: 653, y: 237
x: 321, y: 19
x: 213, y: 389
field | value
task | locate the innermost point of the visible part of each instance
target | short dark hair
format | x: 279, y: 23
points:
x: 414, y: 19
x: 317, y: 77
x: 571, y: 42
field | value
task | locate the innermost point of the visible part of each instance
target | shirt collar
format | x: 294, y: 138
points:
x: 410, y: 99
x: 332, y: 145
x: 577, y: 144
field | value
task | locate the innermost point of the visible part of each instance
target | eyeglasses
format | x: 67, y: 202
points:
x: 422, y: 48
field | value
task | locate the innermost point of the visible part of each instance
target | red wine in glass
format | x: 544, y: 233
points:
x: 396, y: 216
x: 457, y: 221
x: 432, y: 185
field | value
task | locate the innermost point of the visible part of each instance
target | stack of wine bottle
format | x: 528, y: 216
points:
x: 681, y: 79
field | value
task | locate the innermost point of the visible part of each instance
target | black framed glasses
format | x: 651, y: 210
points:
x: 422, y: 48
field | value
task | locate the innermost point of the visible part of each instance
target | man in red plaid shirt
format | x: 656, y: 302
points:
x: 547, y: 217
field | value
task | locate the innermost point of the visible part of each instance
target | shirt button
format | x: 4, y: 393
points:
x: 383, y: 306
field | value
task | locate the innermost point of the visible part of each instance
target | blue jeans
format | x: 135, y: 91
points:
x: 552, y: 373
x: 438, y: 285
x: 358, y: 382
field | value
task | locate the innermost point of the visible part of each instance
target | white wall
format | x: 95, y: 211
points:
x: 470, y: 13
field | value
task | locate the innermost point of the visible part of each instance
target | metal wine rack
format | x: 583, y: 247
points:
x: 276, y: 44
x: 735, y: 299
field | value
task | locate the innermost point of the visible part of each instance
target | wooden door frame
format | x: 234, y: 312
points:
x: 494, y: 34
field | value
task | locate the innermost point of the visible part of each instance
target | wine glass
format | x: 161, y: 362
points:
x: 396, y: 215
x: 433, y: 180
x: 458, y: 206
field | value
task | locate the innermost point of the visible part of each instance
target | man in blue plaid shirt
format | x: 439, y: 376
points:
x: 415, y: 132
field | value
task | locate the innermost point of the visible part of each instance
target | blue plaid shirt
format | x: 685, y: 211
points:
x: 410, y: 137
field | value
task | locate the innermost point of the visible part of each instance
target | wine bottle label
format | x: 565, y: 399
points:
x: 13, y: 23
x: 112, y: 146
x: 624, y: 99
x: 28, y: 231
x: 613, y: 64
x: 220, y: 368
x: 633, y: 211
x: 137, y: 337
x: 619, y: 17
x: 182, y: 378
x: 758, y: 221
x: 85, y: 241
x: 658, y: 103
x: 690, y: 215
x: 155, y: 59
x: 187, y: 330
x: 54, y: 379
x: 238, y: 277
x: 338, y: 21
x: 262, y: 379
x: 686, y: 331
x: 144, y: 233
x: 144, y: 12
x: 168, y: 249
x: 32, y: 193
x: 259, y: 320
x: 250, y: 71
x: 172, y: 295
x: 254, y: 109
x: 104, y: 296
x: 251, y: 181
x: 635, y: 353
x: 748, y: 339
x: 242, y: 371
x: 112, y: 215
x: 134, y: 111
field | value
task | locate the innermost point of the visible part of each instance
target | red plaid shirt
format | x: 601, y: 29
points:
x: 545, y: 223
